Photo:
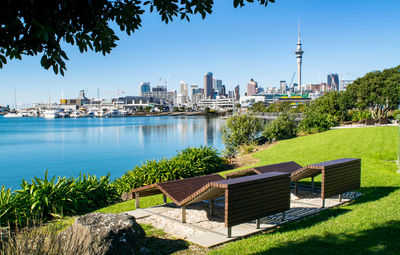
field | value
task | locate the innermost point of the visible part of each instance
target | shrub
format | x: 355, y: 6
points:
x: 284, y: 127
x: 188, y: 163
x: 360, y: 115
x: 317, y: 122
x: 44, y: 199
x: 240, y: 130
x: 197, y: 161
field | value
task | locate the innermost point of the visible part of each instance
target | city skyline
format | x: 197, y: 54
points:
x: 359, y: 41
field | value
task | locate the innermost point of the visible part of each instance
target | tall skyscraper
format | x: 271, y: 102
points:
x: 218, y: 87
x: 333, y: 82
x: 144, y: 88
x: 184, y: 91
x: 237, y: 93
x: 252, y: 88
x: 299, y: 55
x: 208, y: 85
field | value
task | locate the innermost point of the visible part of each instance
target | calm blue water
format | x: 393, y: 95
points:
x: 66, y: 147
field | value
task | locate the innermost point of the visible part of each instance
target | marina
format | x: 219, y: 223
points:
x: 70, y: 146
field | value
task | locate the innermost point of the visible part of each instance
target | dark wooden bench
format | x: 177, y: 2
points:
x: 246, y: 198
x: 338, y: 176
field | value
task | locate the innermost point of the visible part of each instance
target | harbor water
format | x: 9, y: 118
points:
x: 66, y: 147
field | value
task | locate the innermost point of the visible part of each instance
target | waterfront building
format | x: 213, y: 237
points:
x: 237, y: 93
x: 135, y: 102
x: 161, y: 92
x: 299, y: 56
x: 217, y: 104
x: 248, y: 101
x: 79, y: 101
x: 144, y: 88
x: 252, y: 88
x: 208, y: 85
x: 333, y: 82
x: 231, y: 94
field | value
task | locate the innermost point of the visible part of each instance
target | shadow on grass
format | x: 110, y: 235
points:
x: 157, y: 245
x: 382, y: 239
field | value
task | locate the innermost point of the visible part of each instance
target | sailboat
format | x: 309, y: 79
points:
x: 14, y: 113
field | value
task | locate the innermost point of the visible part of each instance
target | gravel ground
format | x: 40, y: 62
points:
x: 196, y: 215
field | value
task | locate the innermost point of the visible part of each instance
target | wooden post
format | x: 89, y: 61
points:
x: 137, y: 203
x: 211, y: 207
x: 323, y: 203
x: 283, y: 216
x: 258, y: 221
x: 164, y: 199
x: 183, y: 214
x: 340, y: 197
x: 312, y: 184
x: 296, y: 187
x: 229, y: 234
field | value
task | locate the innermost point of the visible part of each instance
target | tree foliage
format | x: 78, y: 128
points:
x: 378, y: 91
x: 284, y: 127
x: 34, y: 27
x: 240, y: 130
x: 327, y: 111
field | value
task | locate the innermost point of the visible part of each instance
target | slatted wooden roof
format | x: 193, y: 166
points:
x: 315, y: 169
x: 286, y: 167
x: 178, y: 190
x: 217, y: 188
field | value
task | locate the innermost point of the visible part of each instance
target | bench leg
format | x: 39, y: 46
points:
x: 211, y: 207
x: 258, y: 223
x: 283, y: 216
x: 323, y: 203
x: 340, y: 197
x: 183, y: 214
x: 137, y: 203
x: 164, y: 199
x: 229, y: 232
x: 312, y: 184
x: 296, y: 188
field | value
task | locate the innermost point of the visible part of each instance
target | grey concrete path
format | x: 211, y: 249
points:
x: 209, y: 231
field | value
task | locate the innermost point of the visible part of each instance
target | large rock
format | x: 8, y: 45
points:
x: 97, y: 233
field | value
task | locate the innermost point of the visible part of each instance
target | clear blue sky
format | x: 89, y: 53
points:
x: 350, y: 38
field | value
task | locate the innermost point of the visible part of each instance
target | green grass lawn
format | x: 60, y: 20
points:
x: 370, y: 225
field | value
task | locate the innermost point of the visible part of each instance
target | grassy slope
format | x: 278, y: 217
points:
x: 370, y: 225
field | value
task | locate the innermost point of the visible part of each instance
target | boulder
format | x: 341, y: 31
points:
x: 98, y: 233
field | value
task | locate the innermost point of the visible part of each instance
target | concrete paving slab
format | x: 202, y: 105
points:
x: 139, y: 213
x: 215, y: 234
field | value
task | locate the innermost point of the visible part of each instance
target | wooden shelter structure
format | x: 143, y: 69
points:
x: 246, y: 198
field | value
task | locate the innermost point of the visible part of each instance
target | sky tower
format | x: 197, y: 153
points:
x: 299, y: 55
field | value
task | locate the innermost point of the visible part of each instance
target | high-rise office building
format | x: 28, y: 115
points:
x: 208, y: 85
x: 218, y: 87
x: 252, y: 88
x: 184, y: 91
x: 193, y: 90
x: 283, y: 86
x: 333, y: 82
x: 144, y: 88
x: 237, y: 93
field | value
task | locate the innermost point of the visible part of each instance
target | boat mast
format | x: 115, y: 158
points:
x: 15, y: 99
